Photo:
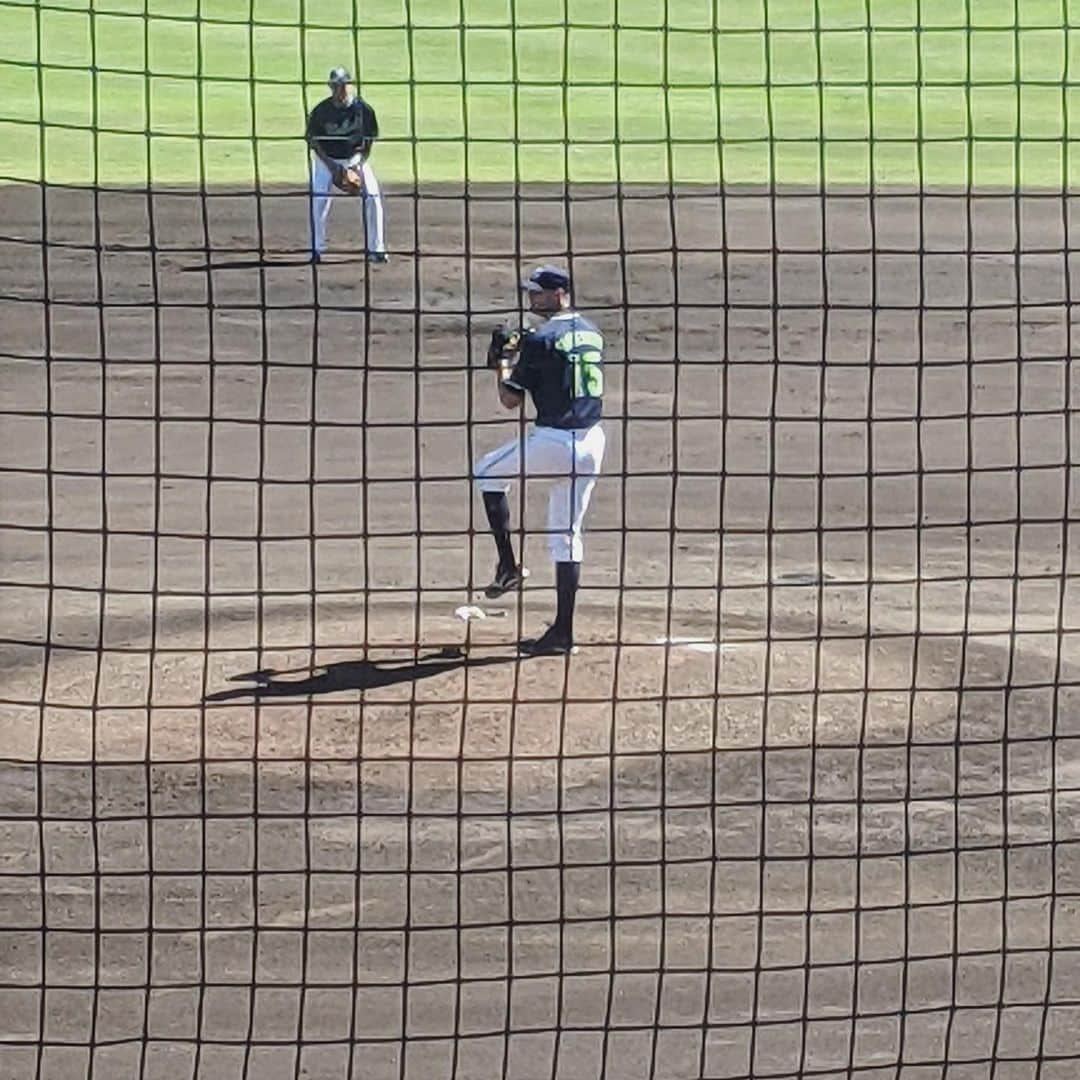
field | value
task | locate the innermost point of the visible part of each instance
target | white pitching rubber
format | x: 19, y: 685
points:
x: 702, y: 645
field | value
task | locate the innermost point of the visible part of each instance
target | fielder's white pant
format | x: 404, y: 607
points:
x: 323, y: 194
x: 571, y: 460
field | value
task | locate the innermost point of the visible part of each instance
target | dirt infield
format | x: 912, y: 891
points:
x: 806, y: 802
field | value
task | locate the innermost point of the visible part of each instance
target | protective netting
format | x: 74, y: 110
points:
x: 806, y: 803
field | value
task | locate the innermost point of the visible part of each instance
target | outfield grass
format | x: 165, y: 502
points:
x: 938, y: 92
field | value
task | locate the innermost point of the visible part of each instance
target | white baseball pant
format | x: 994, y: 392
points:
x: 571, y: 460
x: 323, y: 194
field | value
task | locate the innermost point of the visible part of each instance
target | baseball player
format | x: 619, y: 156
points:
x: 340, y: 133
x: 560, y: 365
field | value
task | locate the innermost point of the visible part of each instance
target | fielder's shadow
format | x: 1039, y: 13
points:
x: 269, y: 262
x: 351, y: 675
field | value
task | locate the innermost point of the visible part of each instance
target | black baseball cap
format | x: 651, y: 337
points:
x: 339, y: 76
x: 547, y: 277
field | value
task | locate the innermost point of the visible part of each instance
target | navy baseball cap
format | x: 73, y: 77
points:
x: 547, y: 277
x: 339, y: 76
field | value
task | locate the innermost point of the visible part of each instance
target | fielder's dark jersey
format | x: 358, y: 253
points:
x: 561, y: 366
x: 342, y: 130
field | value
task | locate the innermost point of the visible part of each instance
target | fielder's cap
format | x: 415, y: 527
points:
x: 547, y: 277
x: 339, y: 76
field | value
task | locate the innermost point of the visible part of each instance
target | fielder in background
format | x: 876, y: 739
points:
x: 340, y: 133
x: 560, y: 365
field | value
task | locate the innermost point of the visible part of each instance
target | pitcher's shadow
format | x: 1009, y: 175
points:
x: 352, y: 675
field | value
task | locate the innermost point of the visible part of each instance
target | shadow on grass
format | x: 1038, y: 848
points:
x: 352, y: 675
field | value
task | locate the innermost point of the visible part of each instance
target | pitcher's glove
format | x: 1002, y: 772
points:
x: 504, y: 343
x: 348, y: 180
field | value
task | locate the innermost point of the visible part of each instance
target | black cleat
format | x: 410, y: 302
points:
x: 506, y: 579
x: 552, y: 642
x: 378, y: 257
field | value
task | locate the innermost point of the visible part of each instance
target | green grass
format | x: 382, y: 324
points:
x: 932, y: 92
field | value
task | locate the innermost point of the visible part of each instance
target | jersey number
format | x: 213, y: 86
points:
x: 583, y: 349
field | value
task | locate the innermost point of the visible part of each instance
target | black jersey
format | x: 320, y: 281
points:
x: 561, y: 366
x: 343, y: 130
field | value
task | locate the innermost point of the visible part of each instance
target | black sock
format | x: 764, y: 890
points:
x: 498, y: 514
x: 567, y: 576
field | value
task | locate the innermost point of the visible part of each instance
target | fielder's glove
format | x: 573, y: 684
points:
x: 348, y: 179
x: 504, y: 343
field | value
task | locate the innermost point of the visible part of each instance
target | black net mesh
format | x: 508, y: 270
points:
x: 807, y: 801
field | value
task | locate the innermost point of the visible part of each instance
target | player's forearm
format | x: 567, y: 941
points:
x: 508, y: 396
x: 510, y: 399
